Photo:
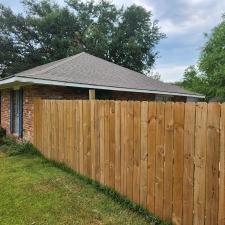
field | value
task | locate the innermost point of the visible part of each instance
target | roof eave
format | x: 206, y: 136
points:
x: 28, y: 80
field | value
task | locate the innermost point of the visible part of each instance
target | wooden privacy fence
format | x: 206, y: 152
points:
x: 168, y: 157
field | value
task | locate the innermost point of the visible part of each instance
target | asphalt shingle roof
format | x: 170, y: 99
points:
x: 86, y: 69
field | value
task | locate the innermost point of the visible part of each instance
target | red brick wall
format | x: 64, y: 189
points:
x: 45, y: 92
x: 5, y: 109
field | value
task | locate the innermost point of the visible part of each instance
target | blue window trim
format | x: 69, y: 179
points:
x: 12, y: 96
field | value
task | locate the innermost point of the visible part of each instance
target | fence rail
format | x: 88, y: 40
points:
x: 167, y: 157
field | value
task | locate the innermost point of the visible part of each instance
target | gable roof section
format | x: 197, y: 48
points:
x: 84, y: 70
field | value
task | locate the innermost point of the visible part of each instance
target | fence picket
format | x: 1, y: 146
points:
x: 159, y: 171
x: 200, y: 161
x: 151, y: 156
x: 212, y: 164
x: 144, y: 154
x: 189, y: 151
x: 137, y: 152
x: 117, y: 146
x: 168, y: 165
x: 178, y: 163
x: 221, y: 211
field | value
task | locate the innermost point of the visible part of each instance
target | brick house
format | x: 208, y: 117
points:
x: 82, y: 76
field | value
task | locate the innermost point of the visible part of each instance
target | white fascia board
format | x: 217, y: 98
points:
x: 90, y: 86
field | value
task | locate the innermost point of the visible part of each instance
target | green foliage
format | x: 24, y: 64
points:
x: 212, y: 62
x: 14, y: 148
x: 48, y: 32
x: 209, y: 79
x: 2, y: 135
x: 193, y: 81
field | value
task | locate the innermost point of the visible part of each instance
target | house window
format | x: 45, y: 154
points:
x: 16, y: 112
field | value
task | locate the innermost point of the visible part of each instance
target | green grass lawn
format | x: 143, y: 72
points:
x: 34, y: 192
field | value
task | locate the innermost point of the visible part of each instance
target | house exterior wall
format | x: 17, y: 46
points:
x: 30, y: 93
x: 5, y: 110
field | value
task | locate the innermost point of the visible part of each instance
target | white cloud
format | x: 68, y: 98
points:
x: 170, y: 72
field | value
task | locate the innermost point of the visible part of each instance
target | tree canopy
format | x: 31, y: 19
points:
x: 209, y: 77
x: 47, y: 32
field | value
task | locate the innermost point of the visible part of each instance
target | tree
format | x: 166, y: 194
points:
x: 193, y: 81
x: 209, y: 77
x: 212, y: 61
x: 48, y: 32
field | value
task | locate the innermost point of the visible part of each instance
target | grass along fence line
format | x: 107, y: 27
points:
x: 166, y: 157
x: 25, y: 151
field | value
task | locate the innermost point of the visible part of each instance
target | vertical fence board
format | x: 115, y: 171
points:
x: 130, y: 149
x: 221, y: 212
x: 168, y: 165
x: 53, y: 131
x: 200, y: 161
x: 102, y: 141
x: 73, y: 137
x: 48, y: 128
x: 151, y: 155
x: 77, y: 137
x: 70, y: 126
x: 160, y: 123
x: 144, y: 154
x: 123, y: 149
x: 112, y: 144
x: 106, y: 150
x: 178, y: 163
x: 97, y: 141
x: 212, y: 164
x: 189, y: 151
x: 137, y: 152
x: 65, y: 147
x: 117, y: 146
x: 93, y: 140
x: 81, y: 137
x: 86, y: 138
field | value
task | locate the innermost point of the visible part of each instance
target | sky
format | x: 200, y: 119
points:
x: 183, y: 21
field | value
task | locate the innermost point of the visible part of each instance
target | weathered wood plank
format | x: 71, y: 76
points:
x: 221, y: 212
x: 130, y: 148
x: 151, y: 156
x: 123, y: 149
x: 189, y: 151
x: 97, y: 141
x: 144, y: 154
x: 160, y: 123
x: 117, y: 146
x: 212, y: 164
x: 178, y: 166
x: 81, y: 137
x: 137, y: 152
x: 102, y: 141
x: 200, y: 163
x: 93, y: 139
x: 106, y: 149
x: 112, y: 144
x: 168, y: 164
